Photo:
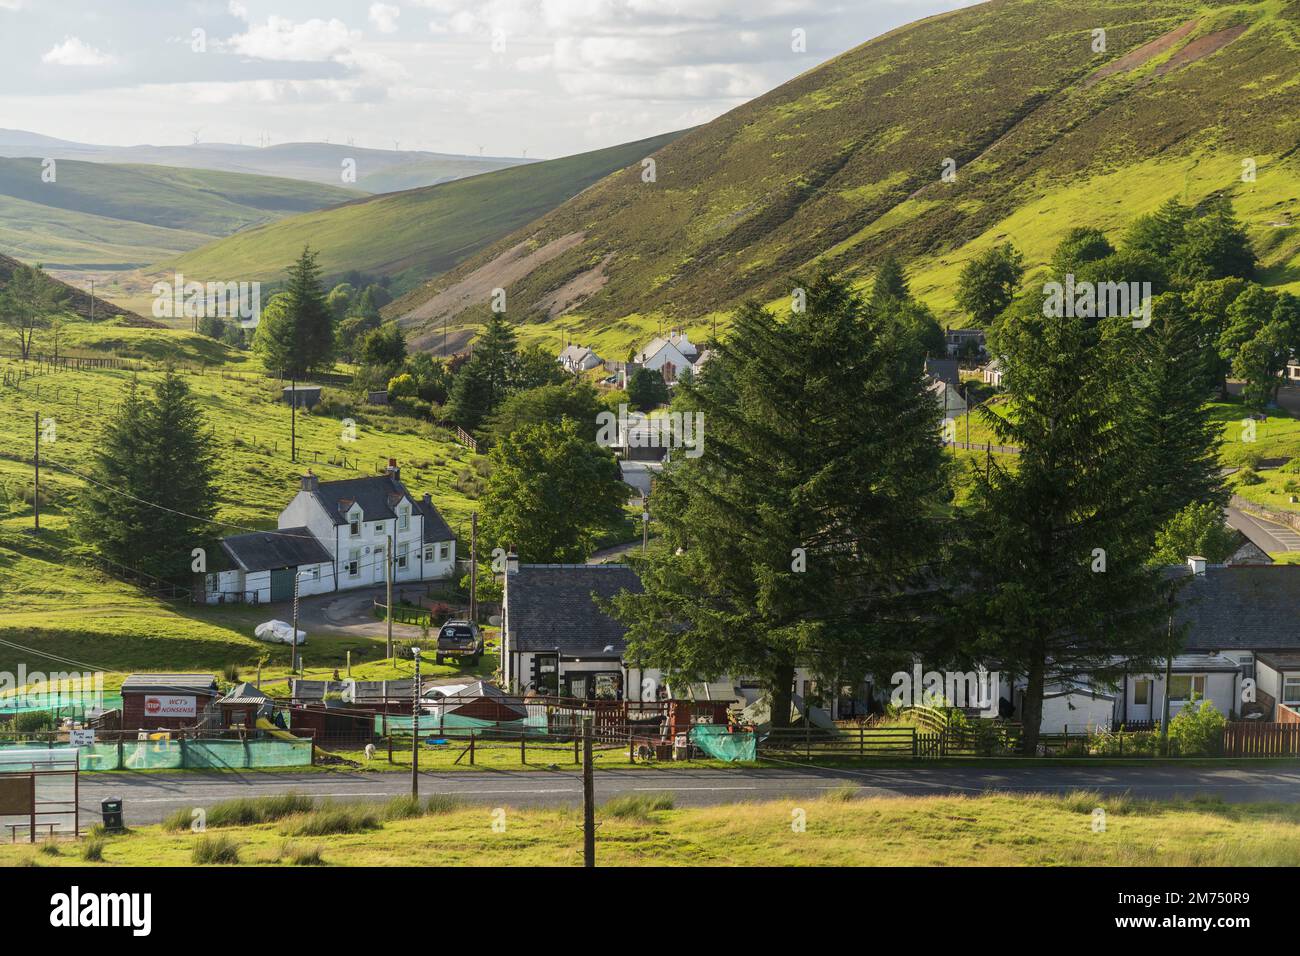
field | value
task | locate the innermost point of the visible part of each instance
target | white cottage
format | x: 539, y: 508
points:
x: 334, y: 536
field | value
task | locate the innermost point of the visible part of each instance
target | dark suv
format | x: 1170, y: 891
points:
x: 460, y: 639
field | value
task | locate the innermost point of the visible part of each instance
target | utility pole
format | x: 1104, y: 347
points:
x: 588, y: 798
x: 293, y: 417
x: 36, y: 464
x: 388, y: 587
x: 92, y: 300
x: 473, y: 567
x: 1164, y: 720
x: 645, y: 521
x: 415, y: 728
x: 293, y: 639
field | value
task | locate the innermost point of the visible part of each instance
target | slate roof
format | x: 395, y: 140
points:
x: 550, y: 607
x: 377, y: 495
x: 945, y: 370
x: 1241, y: 607
x: 245, y: 693
x: 435, y: 527
x: 269, y: 550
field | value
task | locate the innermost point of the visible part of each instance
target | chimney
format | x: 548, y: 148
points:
x: 310, y: 482
x: 428, y: 499
x: 512, y: 561
x: 392, y: 468
x: 1196, y: 563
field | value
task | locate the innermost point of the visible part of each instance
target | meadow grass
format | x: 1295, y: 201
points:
x: 839, y: 829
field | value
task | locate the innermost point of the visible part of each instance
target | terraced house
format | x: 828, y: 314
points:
x: 334, y: 536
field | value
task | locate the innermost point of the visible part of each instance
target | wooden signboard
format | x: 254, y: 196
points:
x: 16, y: 794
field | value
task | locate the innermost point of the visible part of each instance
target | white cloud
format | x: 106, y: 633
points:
x: 74, y: 51
x: 384, y: 17
x: 280, y: 38
x: 11, y: 4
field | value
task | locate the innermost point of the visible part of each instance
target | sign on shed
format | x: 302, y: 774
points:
x: 169, y: 705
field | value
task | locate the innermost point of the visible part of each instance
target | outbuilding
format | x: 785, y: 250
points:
x: 167, y: 701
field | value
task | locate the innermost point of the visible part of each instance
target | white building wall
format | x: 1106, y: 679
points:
x: 1076, y: 714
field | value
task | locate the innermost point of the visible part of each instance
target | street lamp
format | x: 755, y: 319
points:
x: 415, y: 728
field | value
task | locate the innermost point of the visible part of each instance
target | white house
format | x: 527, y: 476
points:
x: 579, y: 358
x: 992, y: 373
x: 670, y: 357
x: 334, y: 536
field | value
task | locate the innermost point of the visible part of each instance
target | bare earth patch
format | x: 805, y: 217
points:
x: 580, y: 287
x: 1143, y: 54
x: 1201, y: 47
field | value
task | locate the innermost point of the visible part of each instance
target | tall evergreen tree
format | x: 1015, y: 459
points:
x: 988, y: 282
x: 891, y: 282
x: 485, y: 379
x: 300, y: 339
x: 801, y: 534
x: 153, y: 483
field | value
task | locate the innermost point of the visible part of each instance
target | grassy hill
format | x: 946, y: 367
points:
x: 104, y: 216
x: 415, y: 234
x: 77, y: 302
x: 843, y: 164
x: 50, y: 599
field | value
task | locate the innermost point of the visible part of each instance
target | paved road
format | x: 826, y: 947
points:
x: 150, y: 797
x: 1265, y: 534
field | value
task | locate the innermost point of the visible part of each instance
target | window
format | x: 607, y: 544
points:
x: 354, y: 562
x: 428, y: 553
x: 401, y: 556
x: 1247, y: 664
x: 354, y: 528
x: 404, y: 519
x: 444, y: 552
x: 1291, y: 689
x: 1142, y: 692
x: 1183, y: 686
x: 315, y: 573
x: 379, y: 527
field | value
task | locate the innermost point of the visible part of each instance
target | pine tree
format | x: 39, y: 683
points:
x: 153, y: 483
x: 891, y: 282
x: 800, y: 534
x: 483, y: 382
x: 300, y: 338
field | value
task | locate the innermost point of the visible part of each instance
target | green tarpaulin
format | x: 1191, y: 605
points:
x: 722, y: 744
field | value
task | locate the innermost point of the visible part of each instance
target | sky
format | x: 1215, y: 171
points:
x: 535, y: 78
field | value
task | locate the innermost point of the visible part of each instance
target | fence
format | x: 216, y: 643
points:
x: 1261, y: 740
x: 808, y: 742
x: 39, y: 792
x: 173, y: 752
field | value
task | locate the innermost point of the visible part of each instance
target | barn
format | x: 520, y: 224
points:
x: 167, y: 701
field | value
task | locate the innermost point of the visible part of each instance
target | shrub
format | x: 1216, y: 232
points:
x: 332, y: 818
x: 1198, y: 728
x: 215, y: 850
x: 638, y: 806
x: 92, y: 851
x: 1249, y: 476
x: 231, y: 673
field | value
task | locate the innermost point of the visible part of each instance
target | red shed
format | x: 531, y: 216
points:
x: 166, y: 701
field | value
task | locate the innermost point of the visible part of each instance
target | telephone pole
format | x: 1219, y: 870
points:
x: 293, y: 641
x: 645, y: 521
x: 415, y: 728
x: 473, y: 567
x: 36, y: 492
x: 388, y: 587
x: 588, y: 798
x: 293, y: 417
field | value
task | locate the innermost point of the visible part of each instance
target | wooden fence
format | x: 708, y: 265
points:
x: 1261, y: 740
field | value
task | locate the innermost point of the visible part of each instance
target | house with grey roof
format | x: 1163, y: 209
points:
x: 555, y: 639
x: 579, y: 358
x: 335, y: 536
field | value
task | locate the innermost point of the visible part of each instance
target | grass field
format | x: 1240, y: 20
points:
x: 837, y: 830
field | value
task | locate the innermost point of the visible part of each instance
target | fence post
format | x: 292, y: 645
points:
x: 631, y: 748
x: 523, y: 752
x: 862, y: 739
x: 914, y: 747
x: 471, y: 748
x: 576, y: 759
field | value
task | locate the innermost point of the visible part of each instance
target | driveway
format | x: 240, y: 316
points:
x: 348, y: 614
x: 1265, y: 534
x: 148, y: 798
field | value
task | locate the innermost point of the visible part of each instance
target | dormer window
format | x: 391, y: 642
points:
x: 354, y: 525
x: 404, y: 518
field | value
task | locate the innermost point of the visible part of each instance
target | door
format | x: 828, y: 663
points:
x: 282, y: 584
x: 1141, y: 707
x: 377, y: 560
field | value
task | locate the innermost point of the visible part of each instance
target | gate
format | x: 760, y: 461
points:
x: 929, y: 744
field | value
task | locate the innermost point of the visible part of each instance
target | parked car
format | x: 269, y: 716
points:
x: 460, y: 639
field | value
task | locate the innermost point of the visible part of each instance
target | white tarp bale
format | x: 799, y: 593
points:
x: 278, y: 632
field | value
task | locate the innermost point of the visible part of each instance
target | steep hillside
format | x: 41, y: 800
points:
x: 416, y: 234
x: 95, y: 215
x: 79, y: 302
x: 844, y: 163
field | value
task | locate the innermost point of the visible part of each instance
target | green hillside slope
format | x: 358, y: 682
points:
x: 843, y: 164
x: 416, y: 234
x: 100, y: 215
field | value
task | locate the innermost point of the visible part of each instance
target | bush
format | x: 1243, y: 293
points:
x: 1249, y: 476
x: 637, y: 806
x: 92, y: 851
x: 215, y: 850
x: 332, y: 818
x: 231, y: 673
x: 33, y: 721
x: 1198, y: 728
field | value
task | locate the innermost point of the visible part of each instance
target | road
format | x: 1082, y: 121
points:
x: 150, y: 797
x: 1267, y: 535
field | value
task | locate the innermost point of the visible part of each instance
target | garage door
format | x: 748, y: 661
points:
x: 282, y: 585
